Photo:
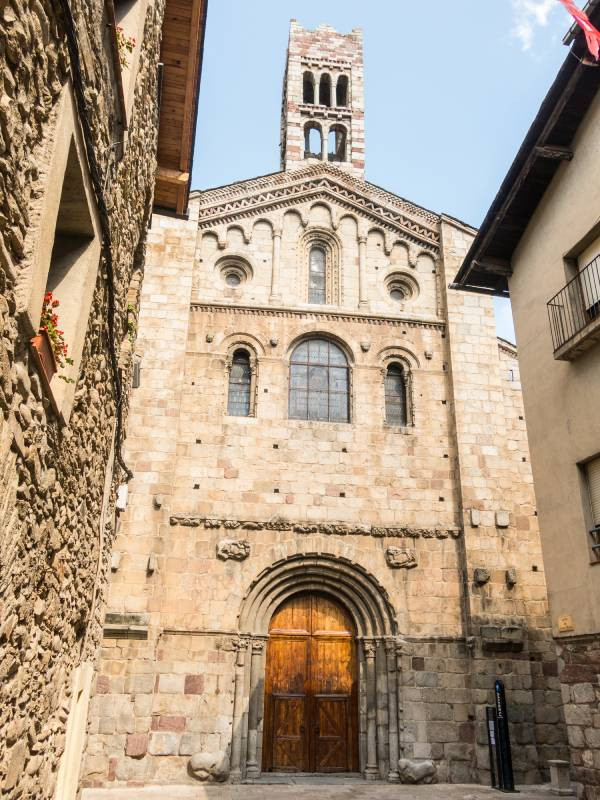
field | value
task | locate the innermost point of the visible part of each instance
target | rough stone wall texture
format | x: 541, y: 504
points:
x: 54, y: 558
x: 578, y: 670
x: 453, y: 488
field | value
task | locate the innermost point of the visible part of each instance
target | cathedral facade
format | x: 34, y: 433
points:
x: 330, y: 549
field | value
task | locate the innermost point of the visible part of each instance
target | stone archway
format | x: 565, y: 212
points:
x: 379, y: 658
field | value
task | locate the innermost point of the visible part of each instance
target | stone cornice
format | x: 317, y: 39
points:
x: 286, y: 189
x: 507, y: 347
x: 326, y: 528
x: 334, y: 316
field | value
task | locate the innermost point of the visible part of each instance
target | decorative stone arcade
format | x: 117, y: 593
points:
x: 380, y: 679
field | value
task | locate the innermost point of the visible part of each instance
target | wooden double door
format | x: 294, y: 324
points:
x: 311, y: 696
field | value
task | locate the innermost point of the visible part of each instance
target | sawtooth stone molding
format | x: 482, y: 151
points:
x: 234, y: 549
x: 327, y: 528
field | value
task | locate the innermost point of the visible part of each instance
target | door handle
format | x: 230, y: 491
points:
x: 302, y: 729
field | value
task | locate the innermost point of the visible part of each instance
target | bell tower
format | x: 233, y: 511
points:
x: 323, y: 116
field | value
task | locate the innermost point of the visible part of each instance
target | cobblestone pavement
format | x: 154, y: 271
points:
x: 314, y: 789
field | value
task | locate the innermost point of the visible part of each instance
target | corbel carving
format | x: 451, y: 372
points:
x: 236, y: 550
x: 399, y: 558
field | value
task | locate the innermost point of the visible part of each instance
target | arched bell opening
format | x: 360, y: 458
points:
x: 342, y: 591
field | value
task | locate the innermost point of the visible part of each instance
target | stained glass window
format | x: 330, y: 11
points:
x: 319, y: 382
x: 395, y: 396
x: 316, y: 276
x: 238, y: 401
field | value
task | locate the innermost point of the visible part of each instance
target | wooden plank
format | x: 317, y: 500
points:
x: 172, y: 175
x: 192, y: 79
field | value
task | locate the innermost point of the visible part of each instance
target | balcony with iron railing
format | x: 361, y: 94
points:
x: 574, y: 313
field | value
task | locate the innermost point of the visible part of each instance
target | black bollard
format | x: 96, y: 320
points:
x: 506, y: 778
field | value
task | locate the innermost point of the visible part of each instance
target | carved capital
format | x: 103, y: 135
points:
x: 258, y: 645
x: 240, y: 647
x: 369, y: 648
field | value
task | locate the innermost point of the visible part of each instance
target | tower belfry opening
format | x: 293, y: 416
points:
x: 323, y: 99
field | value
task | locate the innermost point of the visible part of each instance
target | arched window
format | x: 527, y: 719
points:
x: 317, y: 280
x: 341, y: 91
x: 325, y: 90
x: 240, y: 378
x: 308, y: 88
x: 336, y: 144
x: 312, y: 141
x: 395, y: 396
x: 319, y: 379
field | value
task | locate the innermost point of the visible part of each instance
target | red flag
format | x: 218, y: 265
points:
x: 591, y: 34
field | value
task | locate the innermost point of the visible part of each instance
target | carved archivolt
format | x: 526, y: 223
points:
x: 327, y: 528
x: 320, y: 237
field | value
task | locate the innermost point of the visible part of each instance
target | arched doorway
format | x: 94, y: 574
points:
x: 311, y: 688
x: 378, y: 658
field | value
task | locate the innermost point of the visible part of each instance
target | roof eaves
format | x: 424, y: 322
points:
x: 570, y: 72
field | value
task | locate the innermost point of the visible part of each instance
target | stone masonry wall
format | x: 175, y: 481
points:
x: 506, y: 599
x: 54, y: 557
x: 579, y: 669
x: 292, y: 488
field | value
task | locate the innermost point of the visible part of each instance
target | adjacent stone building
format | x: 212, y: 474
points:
x: 540, y: 242
x: 79, y: 122
x: 330, y: 548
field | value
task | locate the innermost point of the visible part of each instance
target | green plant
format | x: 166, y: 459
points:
x: 49, y: 323
x: 125, y: 45
x: 131, y: 322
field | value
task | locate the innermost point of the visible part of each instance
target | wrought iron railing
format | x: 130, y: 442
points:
x: 576, y: 305
x: 595, y: 536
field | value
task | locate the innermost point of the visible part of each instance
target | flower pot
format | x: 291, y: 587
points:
x: 44, y: 355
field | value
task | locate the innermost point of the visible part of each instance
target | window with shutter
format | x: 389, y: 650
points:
x: 592, y: 469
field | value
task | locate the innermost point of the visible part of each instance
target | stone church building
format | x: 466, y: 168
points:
x: 330, y: 548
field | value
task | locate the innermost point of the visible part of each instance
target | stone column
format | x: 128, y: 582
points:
x: 399, y: 651
x: 362, y: 270
x: 275, y: 296
x: 256, y: 679
x: 370, y: 651
x: 324, y: 135
x: 390, y: 656
x: 241, y: 645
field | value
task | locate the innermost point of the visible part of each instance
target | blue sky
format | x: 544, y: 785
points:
x: 451, y: 87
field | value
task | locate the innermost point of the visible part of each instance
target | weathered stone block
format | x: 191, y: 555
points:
x: 168, y: 723
x: 210, y: 766
x: 171, y: 684
x: 136, y: 745
x: 164, y: 744
x: 194, y: 684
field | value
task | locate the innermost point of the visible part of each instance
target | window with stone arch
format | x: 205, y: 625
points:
x: 241, y: 389
x: 325, y: 90
x: 319, y: 382
x: 317, y: 275
x: 320, y: 255
x: 308, y: 88
x: 336, y: 143
x: 313, y: 140
x: 396, y: 387
x: 341, y: 91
